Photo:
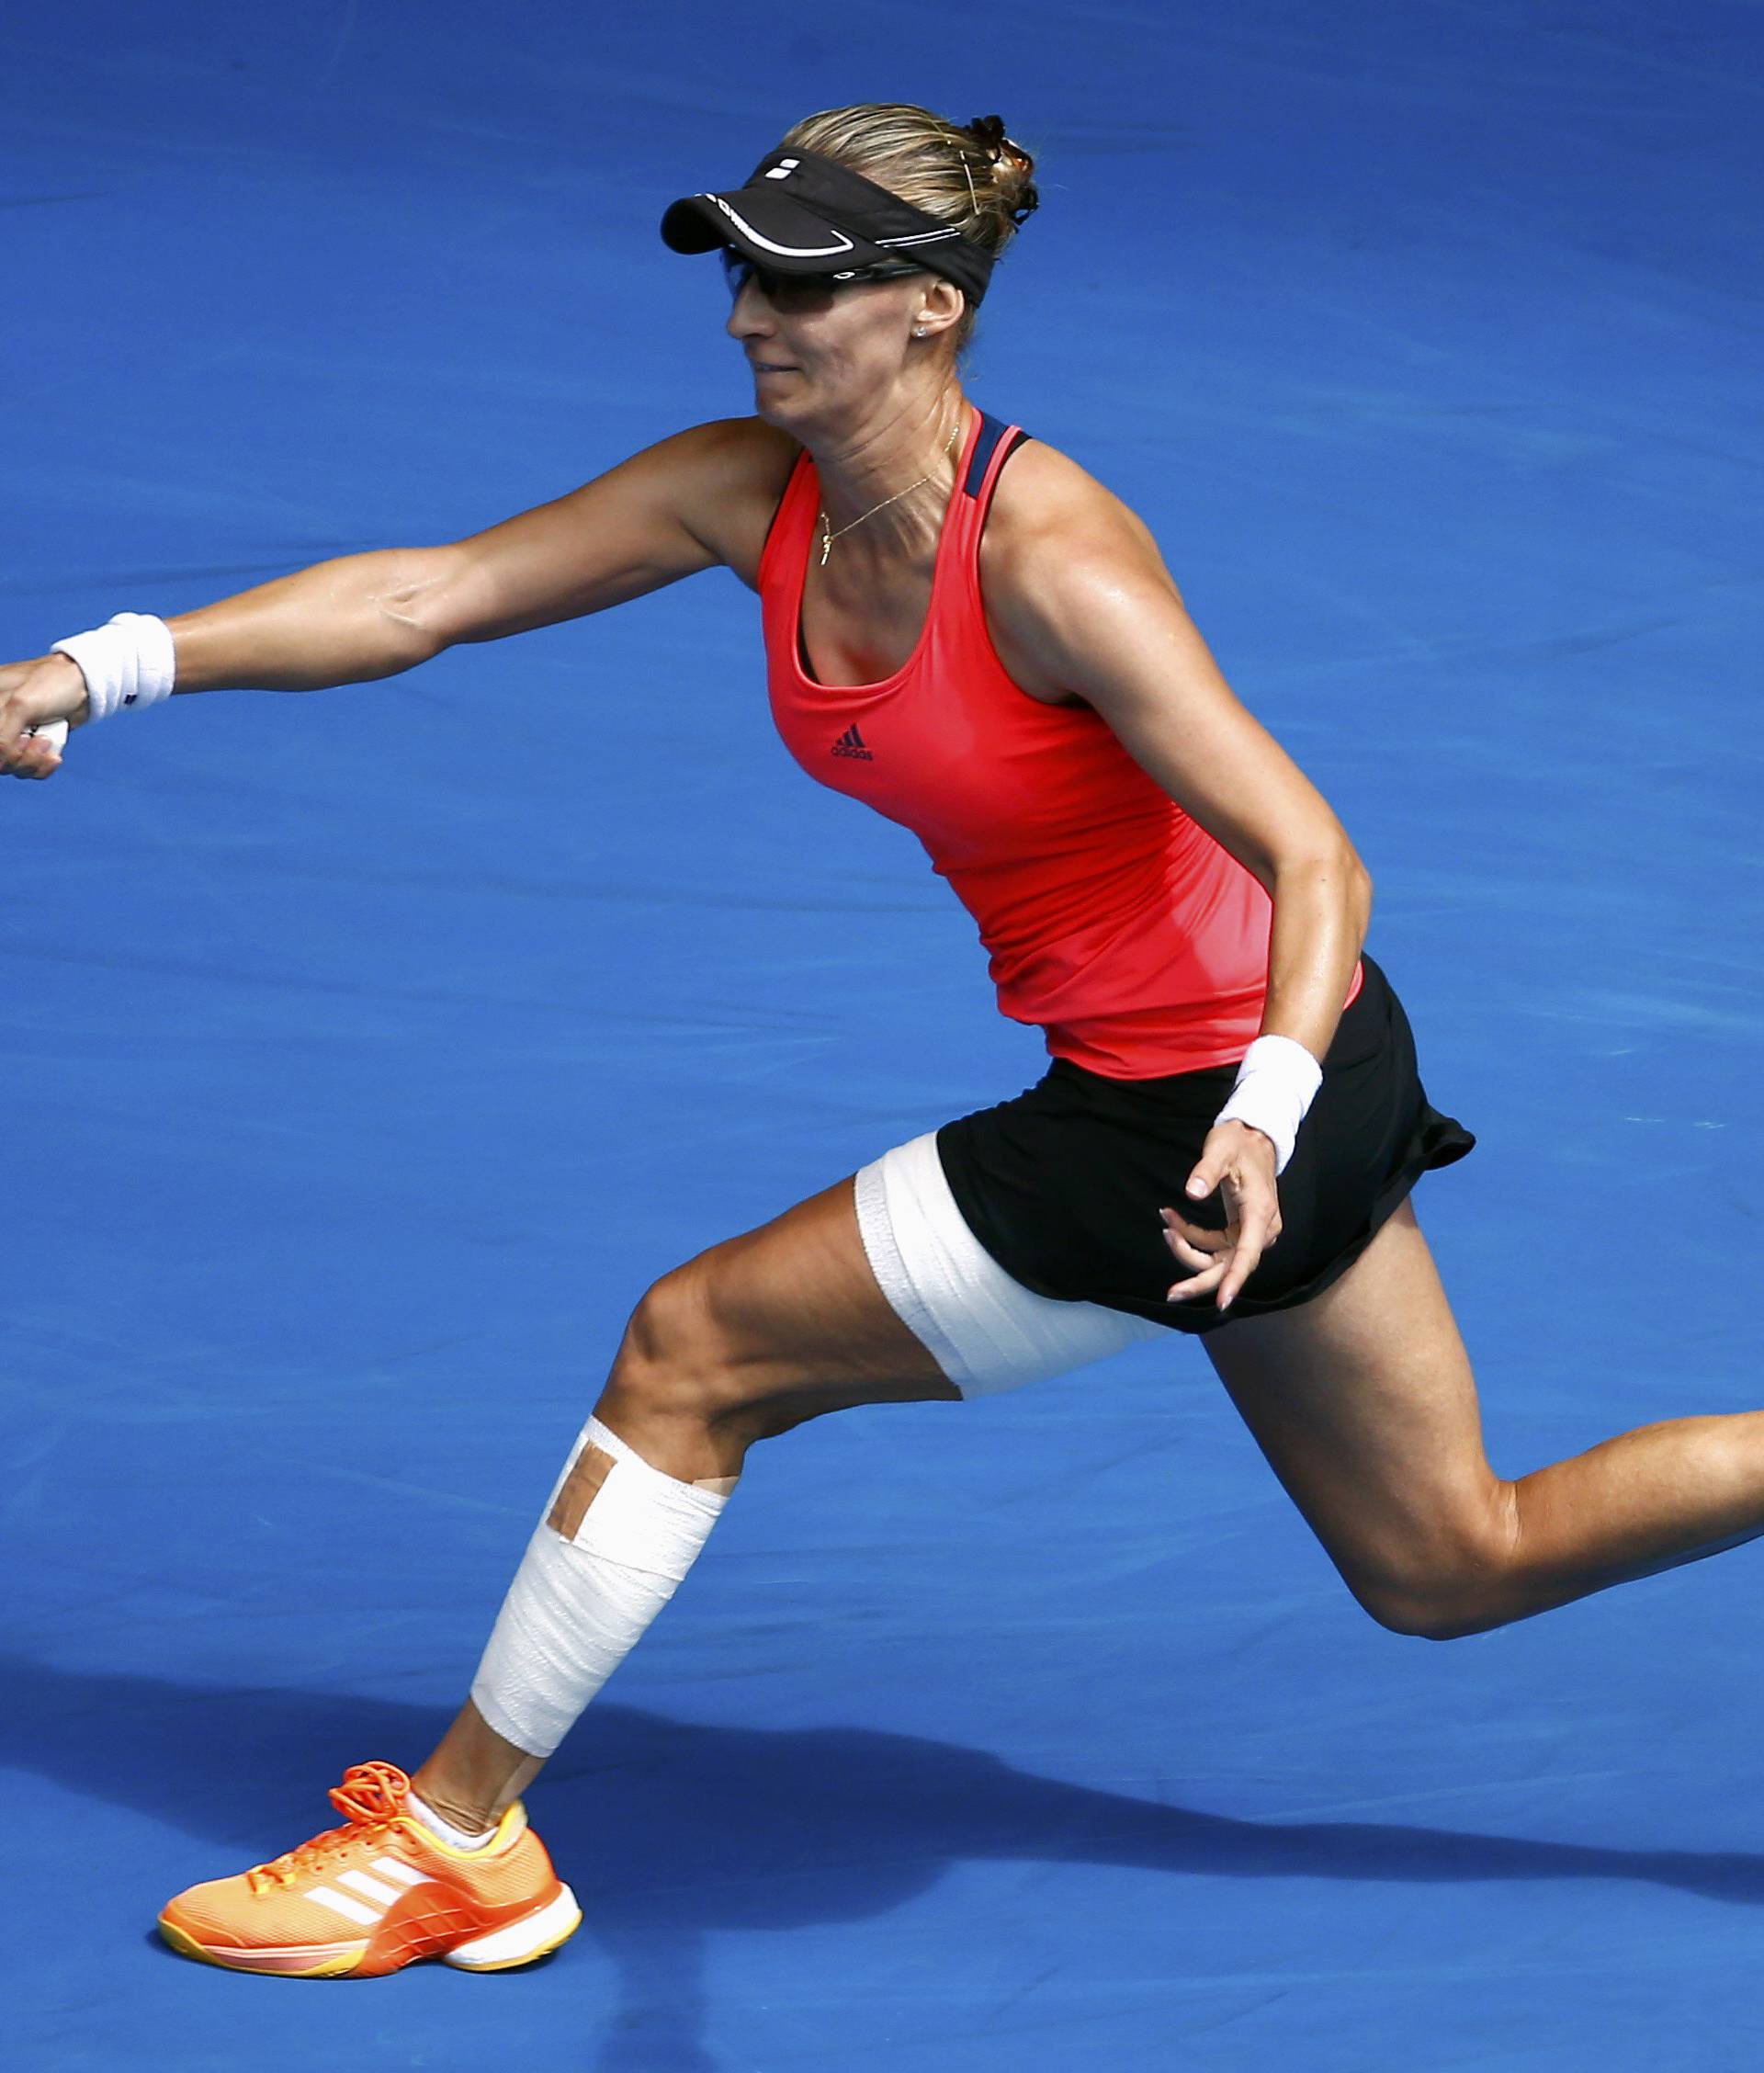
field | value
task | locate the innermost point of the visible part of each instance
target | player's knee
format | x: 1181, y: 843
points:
x: 676, y: 1360
x: 1435, y: 1609
x: 1463, y: 1581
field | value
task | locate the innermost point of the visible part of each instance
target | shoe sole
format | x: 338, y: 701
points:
x: 533, y: 1937
x: 519, y: 1943
x: 313, y: 1962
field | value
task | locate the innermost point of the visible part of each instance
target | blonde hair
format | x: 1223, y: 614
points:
x: 970, y: 175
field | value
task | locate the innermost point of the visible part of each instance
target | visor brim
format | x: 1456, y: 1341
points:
x: 767, y: 227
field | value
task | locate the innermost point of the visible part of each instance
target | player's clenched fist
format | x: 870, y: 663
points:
x: 37, y: 694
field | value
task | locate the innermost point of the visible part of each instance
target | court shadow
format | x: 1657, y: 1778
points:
x: 674, y: 1832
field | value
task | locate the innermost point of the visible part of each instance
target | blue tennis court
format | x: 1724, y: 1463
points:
x: 369, y: 1052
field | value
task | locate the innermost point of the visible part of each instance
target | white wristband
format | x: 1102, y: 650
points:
x: 1275, y: 1085
x: 128, y: 661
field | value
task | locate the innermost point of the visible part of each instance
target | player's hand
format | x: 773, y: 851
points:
x: 36, y: 694
x: 1239, y: 1160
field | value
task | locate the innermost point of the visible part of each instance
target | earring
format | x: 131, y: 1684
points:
x: 919, y: 331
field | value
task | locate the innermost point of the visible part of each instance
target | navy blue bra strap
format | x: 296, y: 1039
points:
x: 991, y: 431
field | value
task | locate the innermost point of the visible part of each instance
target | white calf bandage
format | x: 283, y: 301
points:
x: 617, y: 1539
x: 128, y: 662
x: 985, y: 1330
x: 1275, y: 1086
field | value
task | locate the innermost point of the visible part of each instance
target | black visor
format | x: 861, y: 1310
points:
x: 801, y: 213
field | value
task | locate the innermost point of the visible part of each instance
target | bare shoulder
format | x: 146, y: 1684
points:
x: 741, y: 467
x: 1050, y: 518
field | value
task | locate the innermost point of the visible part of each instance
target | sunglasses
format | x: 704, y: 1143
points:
x: 783, y: 291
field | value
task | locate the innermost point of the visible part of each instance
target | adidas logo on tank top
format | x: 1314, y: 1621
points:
x: 851, y: 743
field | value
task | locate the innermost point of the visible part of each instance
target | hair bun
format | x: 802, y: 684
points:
x: 1008, y: 158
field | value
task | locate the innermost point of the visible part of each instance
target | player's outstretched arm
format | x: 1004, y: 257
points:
x: 367, y: 616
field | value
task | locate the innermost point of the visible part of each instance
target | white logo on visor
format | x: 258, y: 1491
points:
x: 783, y: 168
x: 785, y: 251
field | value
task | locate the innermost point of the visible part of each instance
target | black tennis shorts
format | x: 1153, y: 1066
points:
x: 1062, y: 1185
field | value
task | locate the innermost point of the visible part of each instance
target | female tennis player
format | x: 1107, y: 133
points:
x: 968, y: 633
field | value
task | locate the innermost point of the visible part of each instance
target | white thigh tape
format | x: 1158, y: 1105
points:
x: 617, y: 1539
x: 984, y: 1329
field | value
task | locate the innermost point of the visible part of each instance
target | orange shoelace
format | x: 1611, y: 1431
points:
x: 372, y: 1796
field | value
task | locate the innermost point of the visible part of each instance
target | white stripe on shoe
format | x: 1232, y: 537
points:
x: 341, y: 1904
x: 376, y: 1889
x: 390, y: 1867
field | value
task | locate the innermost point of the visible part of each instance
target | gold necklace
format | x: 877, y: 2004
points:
x: 827, y: 538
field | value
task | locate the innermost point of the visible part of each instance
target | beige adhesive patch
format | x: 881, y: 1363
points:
x: 722, y: 1485
x: 580, y: 1486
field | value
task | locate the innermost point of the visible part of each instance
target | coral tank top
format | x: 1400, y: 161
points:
x: 1115, y: 922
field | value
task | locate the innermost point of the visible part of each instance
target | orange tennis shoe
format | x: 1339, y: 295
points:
x: 380, y: 1893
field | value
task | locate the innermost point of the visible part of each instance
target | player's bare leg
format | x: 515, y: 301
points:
x: 1364, y: 1402
x: 756, y: 1335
